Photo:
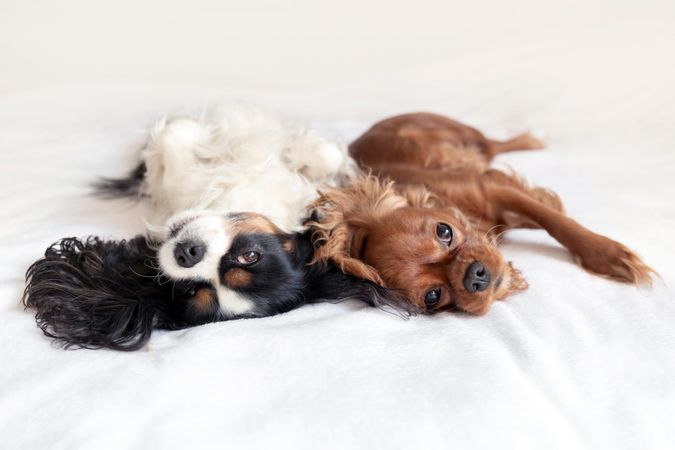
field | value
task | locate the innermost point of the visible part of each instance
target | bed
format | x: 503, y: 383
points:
x: 575, y: 362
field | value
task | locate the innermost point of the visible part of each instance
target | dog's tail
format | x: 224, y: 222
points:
x: 90, y: 293
x: 524, y: 141
x: 129, y: 186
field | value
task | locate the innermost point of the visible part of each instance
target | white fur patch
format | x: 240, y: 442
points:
x: 239, y: 159
x: 232, y: 302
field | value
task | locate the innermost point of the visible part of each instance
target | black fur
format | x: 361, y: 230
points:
x: 129, y: 186
x: 92, y: 293
x: 325, y: 281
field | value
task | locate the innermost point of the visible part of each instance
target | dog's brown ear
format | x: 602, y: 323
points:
x: 343, y: 217
x: 343, y: 246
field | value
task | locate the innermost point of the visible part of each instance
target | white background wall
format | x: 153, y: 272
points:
x: 312, y: 45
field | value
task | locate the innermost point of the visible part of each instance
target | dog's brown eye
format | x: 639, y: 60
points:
x: 248, y: 257
x: 432, y: 297
x: 444, y: 233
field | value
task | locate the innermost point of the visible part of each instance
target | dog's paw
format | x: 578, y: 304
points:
x: 176, y: 140
x: 612, y: 259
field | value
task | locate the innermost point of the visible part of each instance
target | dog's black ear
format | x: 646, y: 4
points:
x: 298, y: 246
x: 328, y: 283
x: 92, y: 293
x: 389, y: 300
x: 325, y: 281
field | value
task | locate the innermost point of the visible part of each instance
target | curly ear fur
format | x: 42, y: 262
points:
x: 344, y: 217
x: 92, y: 293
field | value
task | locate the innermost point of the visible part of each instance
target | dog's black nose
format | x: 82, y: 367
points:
x: 189, y: 253
x: 477, y: 277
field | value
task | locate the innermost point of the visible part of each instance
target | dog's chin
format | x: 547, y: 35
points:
x: 510, y: 282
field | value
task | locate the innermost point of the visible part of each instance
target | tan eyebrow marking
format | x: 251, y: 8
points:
x: 238, y: 278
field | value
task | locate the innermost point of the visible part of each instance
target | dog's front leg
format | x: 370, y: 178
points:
x: 594, y: 252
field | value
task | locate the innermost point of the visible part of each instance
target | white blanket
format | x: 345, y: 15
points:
x: 575, y: 362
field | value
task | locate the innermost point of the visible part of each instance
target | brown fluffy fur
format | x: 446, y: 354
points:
x: 428, y: 170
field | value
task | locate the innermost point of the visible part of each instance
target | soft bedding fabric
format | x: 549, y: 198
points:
x: 575, y: 362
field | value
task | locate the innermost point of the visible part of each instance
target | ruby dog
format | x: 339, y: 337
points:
x: 429, y: 221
